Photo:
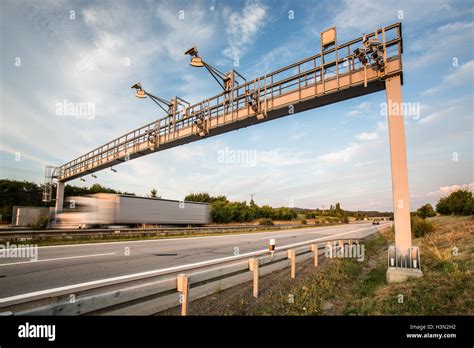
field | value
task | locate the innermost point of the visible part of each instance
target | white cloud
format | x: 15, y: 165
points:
x: 450, y: 111
x: 449, y: 38
x: 367, y: 136
x: 446, y: 190
x: 462, y: 76
x: 360, y: 109
x: 354, y: 113
x: 86, y: 63
x: 340, y: 156
x: 365, y: 163
x: 243, y: 27
x: 375, y: 14
x: 14, y: 152
x: 180, y: 34
x: 382, y: 126
x: 84, y: 60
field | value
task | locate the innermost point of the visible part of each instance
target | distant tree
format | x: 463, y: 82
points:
x: 204, y: 197
x: 127, y: 193
x: 98, y: 188
x: 153, y: 193
x: 426, y: 211
x: 459, y: 202
x: 284, y: 213
x: 265, y: 211
x: 70, y: 190
x: 442, y: 206
x: 338, y: 209
x: 15, y: 192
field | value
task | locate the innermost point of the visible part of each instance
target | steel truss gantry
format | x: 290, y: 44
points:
x: 367, y: 64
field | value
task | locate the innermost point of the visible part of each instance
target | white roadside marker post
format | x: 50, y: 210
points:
x: 253, y: 266
x: 271, y: 247
x: 292, y: 257
x: 183, y: 287
x: 314, y: 248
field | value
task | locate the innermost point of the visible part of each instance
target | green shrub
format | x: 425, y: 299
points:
x: 459, y: 202
x: 284, y: 213
x: 266, y: 222
x: 420, y: 227
x: 304, y: 222
x: 426, y: 211
x: 41, y: 223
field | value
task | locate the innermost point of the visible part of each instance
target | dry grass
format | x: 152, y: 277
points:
x: 446, y: 287
x: 348, y: 287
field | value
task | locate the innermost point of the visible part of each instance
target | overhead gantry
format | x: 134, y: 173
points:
x: 367, y: 64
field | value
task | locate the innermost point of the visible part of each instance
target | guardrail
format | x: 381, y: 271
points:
x: 150, y: 292
x: 162, y: 231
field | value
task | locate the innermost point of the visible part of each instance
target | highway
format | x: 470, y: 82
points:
x: 58, y: 266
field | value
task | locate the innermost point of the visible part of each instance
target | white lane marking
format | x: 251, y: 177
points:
x: 158, y: 271
x: 56, y: 259
x: 311, y: 229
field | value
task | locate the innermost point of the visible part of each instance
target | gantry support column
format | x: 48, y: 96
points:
x: 401, y: 198
x: 59, y: 197
x: 396, y: 129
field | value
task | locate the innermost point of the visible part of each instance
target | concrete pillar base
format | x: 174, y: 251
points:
x: 399, y: 275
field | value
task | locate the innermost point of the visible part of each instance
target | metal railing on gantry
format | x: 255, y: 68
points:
x: 333, y: 75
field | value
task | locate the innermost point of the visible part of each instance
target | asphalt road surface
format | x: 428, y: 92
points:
x: 58, y: 266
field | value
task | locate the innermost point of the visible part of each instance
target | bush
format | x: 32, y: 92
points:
x: 459, y: 202
x: 224, y: 212
x: 442, y: 206
x: 285, y: 214
x: 266, y: 222
x: 204, y: 197
x: 420, y: 227
x: 426, y: 211
x: 41, y: 223
x: 304, y: 222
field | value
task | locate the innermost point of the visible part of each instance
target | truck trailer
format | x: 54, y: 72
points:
x: 105, y: 209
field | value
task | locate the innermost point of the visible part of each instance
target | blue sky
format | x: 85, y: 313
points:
x: 338, y: 153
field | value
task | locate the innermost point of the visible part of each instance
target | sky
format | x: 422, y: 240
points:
x: 91, y: 52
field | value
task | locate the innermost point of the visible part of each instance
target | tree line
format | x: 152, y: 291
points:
x: 24, y: 193
x: 225, y: 211
x: 460, y: 202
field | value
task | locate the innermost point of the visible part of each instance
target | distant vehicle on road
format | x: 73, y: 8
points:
x: 376, y: 222
x: 105, y: 209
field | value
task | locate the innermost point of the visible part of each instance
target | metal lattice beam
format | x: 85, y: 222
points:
x: 333, y: 75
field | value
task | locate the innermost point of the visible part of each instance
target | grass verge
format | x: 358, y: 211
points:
x: 349, y: 287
